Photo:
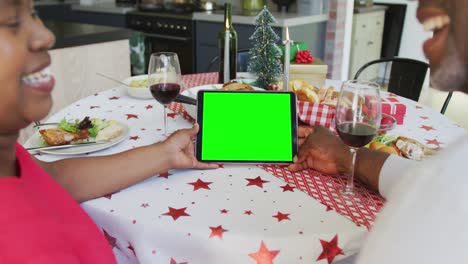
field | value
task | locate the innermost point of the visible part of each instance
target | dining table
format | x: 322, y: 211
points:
x: 238, y: 213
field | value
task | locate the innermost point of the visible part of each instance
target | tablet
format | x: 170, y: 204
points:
x: 246, y: 126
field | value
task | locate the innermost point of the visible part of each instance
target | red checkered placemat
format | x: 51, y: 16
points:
x: 316, y: 114
x: 361, y: 208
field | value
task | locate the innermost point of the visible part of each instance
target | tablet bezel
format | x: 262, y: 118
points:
x: 294, y: 124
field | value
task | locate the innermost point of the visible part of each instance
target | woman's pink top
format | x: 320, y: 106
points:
x: 41, y: 223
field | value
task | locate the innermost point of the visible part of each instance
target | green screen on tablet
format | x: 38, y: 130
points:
x: 246, y: 126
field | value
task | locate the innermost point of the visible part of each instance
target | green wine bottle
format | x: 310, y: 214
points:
x: 231, y: 50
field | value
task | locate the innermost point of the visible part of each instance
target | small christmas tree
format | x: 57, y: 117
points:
x: 265, y: 55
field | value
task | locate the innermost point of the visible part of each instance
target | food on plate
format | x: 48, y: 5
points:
x: 68, y: 132
x: 413, y: 149
x: 143, y: 83
x: 402, y: 146
x: 389, y: 150
x: 376, y: 145
x: 110, y: 132
x: 235, y: 86
x: 58, y: 136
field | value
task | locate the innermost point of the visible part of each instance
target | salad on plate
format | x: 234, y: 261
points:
x: 78, y: 131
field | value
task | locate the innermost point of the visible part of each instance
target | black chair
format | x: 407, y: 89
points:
x: 242, y: 61
x: 446, y: 103
x: 404, y: 77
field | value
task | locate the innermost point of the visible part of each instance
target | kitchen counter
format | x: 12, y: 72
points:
x: 372, y: 8
x: 55, y: 2
x: 282, y: 19
x: 75, y: 34
x: 108, y: 8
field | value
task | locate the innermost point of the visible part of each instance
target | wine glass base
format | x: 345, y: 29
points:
x: 348, y: 191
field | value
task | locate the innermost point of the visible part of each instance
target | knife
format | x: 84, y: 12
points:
x: 68, y: 145
x: 180, y: 98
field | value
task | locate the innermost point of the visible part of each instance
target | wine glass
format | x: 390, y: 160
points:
x: 357, y: 119
x: 164, y: 79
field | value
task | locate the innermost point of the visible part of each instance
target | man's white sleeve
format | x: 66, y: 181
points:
x: 393, y: 169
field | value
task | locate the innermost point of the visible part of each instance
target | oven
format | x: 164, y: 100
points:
x: 167, y: 32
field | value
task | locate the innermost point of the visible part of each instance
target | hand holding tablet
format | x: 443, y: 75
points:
x: 246, y: 126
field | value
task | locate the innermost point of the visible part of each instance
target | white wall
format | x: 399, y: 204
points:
x: 347, y: 41
x: 413, y: 33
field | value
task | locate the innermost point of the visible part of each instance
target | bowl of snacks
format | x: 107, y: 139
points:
x: 387, y: 123
x: 137, y: 86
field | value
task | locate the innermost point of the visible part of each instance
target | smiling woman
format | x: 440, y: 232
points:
x: 24, y: 52
x: 45, y: 224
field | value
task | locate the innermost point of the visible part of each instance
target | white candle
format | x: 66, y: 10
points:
x: 287, y: 50
x: 226, y: 76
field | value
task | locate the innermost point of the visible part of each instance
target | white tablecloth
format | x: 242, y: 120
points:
x: 235, y: 214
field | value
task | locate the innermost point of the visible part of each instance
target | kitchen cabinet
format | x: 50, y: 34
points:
x: 366, y: 39
x: 206, y: 39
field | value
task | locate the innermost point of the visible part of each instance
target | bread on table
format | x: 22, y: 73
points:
x: 235, y: 86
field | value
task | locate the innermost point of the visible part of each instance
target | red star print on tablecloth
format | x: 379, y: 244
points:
x: 172, y: 115
x: 217, y: 231
x: 176, y: 213
x: 94, y: 106
x: 165, y: 174
x: 110, y: 239
x: 287, y: 187
x: 248, y: 212
x: 280, y: 216
x: 175, y: 262
x: 149, y: 107
x: 427, y: 128
x: 330, y: 250
x: 419, y: 107
x: 433, y: 142
x: 134, y: 138
x: 199, y: 184
x: 424, y: 117
x: 131, y: 248
x: 114, y: 98
x: 130, y: 116
x: 224, y: 211
x: 263, y: 255
x: 256, y: 181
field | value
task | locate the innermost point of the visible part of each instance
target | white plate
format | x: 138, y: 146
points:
x: 140, y: 92
x: 35, y: 141
x: 192, y: 92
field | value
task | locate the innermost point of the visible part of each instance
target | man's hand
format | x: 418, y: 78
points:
x: 180, y: 150
x: 321, y: 150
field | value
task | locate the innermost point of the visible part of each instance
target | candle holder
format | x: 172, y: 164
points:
x: 287, y: 60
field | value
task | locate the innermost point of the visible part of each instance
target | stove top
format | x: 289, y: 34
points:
x: 167, y: 8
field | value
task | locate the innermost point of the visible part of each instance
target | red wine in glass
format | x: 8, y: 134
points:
x: 165, y: 93
x: 356, y: 135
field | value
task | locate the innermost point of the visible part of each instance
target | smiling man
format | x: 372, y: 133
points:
x: 424, y: 220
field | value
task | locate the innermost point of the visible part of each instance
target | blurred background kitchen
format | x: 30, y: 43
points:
x: 115, y: 37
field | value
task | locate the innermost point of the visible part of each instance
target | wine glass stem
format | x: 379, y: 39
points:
x: 350, y: 183
x: 165, y: 120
